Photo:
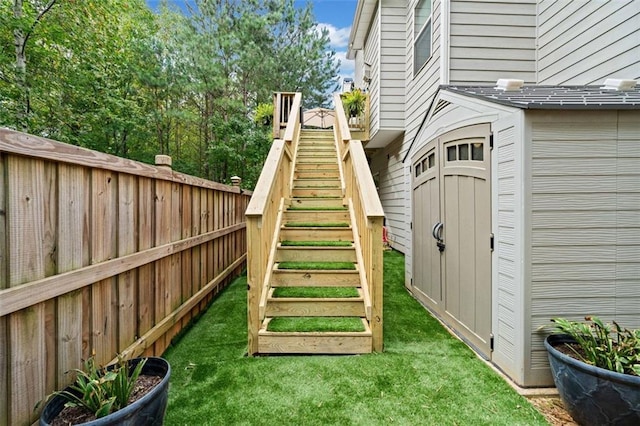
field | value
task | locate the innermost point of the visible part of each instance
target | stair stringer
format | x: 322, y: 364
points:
x: 266, y: 285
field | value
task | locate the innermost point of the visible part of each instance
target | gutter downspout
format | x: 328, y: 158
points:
x: 445, y: 33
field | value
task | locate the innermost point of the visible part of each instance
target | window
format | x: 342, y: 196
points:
x: 421, y: 34
x: 466, y: 152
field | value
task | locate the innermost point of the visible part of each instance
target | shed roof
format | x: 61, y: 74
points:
x: 554, y: 97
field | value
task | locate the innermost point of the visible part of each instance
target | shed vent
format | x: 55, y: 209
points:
x: 619, y: 84
x: 509, y: 84
x: 440, y: 106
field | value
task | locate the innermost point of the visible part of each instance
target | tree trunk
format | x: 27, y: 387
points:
x: 19, y: 39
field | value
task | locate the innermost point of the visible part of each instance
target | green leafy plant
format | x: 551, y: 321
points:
x: 354, y: 102
x: 102, y: 391
x: 607, y: 346
x: 264, y: 114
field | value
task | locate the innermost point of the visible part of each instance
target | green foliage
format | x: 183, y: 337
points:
x: 354, y: 102
x: 607, y: 346
x: 264, y: 114
x: 111, y: 75
x: 102, y: 391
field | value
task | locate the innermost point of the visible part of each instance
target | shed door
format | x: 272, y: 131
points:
x: 452, y: 201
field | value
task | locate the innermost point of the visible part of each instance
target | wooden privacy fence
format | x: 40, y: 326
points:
x: 101, y: 255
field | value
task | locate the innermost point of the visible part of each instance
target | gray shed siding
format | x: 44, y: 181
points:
x: 392, y: 59
x: 492, y: 40
x: 507, y: 257
x: 585, y: 223
x: 585, y: 42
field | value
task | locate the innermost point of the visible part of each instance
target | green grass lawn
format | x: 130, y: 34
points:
x: 424, y: 377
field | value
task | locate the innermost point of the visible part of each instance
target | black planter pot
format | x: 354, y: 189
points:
x: 148, y: 410
x: 593, y: 395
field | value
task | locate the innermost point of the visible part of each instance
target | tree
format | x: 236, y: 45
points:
x: 22, y: 21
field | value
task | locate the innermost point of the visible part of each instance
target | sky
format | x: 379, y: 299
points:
x: 335, y: 15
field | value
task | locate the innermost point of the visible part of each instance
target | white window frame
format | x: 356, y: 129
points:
x: 419, y: 34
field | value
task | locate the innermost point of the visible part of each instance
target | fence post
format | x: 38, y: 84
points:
x: 163, y: 161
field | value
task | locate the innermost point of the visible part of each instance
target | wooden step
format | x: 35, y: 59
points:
x: 314, y: 307
x: 316, y: 160
x: 316, y: 192
x: 317, y: 216
x: 315, y: 254
x: 314, y: 278
x: 311, y: 167
x: 316, y: 146
x: 314, y: 342
x: 328, y: 182
x: 317, y: 174
x: 316, y: 234
x: 316, y: 202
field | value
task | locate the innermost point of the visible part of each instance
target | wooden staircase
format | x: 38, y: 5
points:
x: 315, y: 255
x: 314, y: 242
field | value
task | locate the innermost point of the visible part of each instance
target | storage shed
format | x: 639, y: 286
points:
x: 526, y: 206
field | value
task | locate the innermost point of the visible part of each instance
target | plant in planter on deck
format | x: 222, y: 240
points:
x: 596, y: 368
x: 113, y: 395
x: 354, y: 103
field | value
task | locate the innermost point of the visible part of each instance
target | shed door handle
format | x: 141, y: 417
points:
x: 436, y: 231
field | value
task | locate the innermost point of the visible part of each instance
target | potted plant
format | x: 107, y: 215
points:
x: 596, y: 368
x: 354, y: 104
x: 130, y: 392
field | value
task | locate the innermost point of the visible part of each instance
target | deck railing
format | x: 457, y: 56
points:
x: 102, y: 255
x: 367, y: 217
x: 264, y: 215
x: 282, y: 108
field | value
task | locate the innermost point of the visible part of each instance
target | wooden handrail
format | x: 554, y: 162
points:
x: 367, y: 218
x: 264, y: 213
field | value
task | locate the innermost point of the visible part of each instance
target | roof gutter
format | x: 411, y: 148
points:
x: 361, y: 23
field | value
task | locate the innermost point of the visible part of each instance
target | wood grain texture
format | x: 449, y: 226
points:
x: 126, y: 281
x: 16, y: 298
x: 104, y: 326
x: 26, y: 329
x: 4, y: 245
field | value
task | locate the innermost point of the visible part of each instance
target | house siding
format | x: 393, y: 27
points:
x: 372, y: 57
x: 585, y: 42
x: 585, y: 222
x: 491, y: 40
x: 392, y: 60
x: 387, y: 165
x: 420, y: 90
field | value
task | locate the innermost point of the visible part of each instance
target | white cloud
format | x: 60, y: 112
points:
x: 347, y: 66
x: 339, y: 37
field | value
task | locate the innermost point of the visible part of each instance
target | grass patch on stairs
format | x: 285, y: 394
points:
x: 315, y: 292
x: 424, y: 377
x: 317, y: 324
x: 316, y: 225
x: 289, y: 243
x: 317, y: 266
x: 311, y: 208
